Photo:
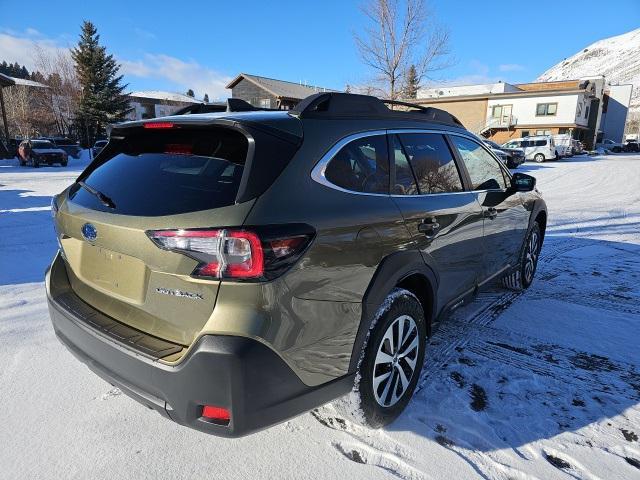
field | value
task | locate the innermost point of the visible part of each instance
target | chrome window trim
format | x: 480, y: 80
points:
x: 318, y: 171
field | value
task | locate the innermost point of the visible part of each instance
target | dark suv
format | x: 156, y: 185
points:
x: 233, y: 270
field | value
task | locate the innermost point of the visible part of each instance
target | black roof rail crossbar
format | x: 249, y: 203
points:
x: 328, y: 104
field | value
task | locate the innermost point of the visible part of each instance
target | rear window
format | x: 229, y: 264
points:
x: 167, y: 172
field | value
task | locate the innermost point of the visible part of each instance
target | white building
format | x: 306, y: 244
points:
x: 156, y: 103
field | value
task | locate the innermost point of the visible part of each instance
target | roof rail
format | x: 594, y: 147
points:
x: 333, y: 104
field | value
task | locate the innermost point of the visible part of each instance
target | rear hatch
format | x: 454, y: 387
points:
x: 164, y: 176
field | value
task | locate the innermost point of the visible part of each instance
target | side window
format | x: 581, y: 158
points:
x: 484, y: 170
x: 432, y: 162
x: 361, y: 166
x: 405, y: 183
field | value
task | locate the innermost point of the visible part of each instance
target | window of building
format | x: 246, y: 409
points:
x: 546, y: 109
x: 496, y: 111
x: 432, y: 163
x: 361, y: 166
x: 484, y: 170
x: 265, y: 103
x: 525, y: 133
x: 543, y: 132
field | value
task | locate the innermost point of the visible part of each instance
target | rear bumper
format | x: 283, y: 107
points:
x: 237, y: 373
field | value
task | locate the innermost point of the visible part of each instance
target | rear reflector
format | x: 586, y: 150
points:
x: 158, y: 125
x: 216, y: 414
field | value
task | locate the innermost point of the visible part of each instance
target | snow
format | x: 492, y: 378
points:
x: 543, y: 384
x: 617, y: 58
x: 160, y: 95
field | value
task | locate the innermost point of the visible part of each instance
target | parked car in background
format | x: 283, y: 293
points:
x: 564, y: 145
x: 98, y: 146
x: 607, y: 144
x: 538, y: 148
x: 4, y: 150
x: 234, y: 270
x: 577, y: 148
x: 632, y: 146
x: 68, y: 145
x: 41, y: 152
x: 512, y: 157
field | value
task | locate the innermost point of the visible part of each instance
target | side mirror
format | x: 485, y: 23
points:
x: 521, y: 182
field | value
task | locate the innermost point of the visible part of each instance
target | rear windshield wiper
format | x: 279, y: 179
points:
x: 105, y: 200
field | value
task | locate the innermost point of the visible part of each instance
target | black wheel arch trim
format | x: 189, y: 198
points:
x: 390, y: 272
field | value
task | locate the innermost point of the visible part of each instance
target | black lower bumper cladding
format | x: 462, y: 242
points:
x: 240, y: 374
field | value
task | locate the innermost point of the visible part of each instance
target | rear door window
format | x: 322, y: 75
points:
x: 361, y: 166
x: 167, y: 172
x: 432, y: 162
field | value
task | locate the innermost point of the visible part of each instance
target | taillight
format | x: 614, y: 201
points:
x: 258, y: 254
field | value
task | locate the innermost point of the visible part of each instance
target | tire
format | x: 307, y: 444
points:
x: 616, y: 150
x: 538, y: 158
x: 382, y: 399
x: 522, y: 277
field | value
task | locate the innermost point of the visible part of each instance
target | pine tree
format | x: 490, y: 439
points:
x: 24, y: 73
x: 190, y: 93
x: 413, y: 84
x: 103, y: 100
x: 206, y: 98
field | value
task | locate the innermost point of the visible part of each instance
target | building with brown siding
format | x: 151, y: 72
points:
x: 503, y: 111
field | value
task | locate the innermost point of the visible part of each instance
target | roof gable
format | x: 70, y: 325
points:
x: 280, y: 88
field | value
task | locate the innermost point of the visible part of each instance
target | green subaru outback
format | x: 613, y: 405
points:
x: 232, y: 270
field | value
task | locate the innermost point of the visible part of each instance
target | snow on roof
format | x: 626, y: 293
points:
x: 160, y: 95
x: 462, y: 90
x: 27, y: 83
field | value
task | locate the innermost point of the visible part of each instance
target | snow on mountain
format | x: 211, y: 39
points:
x: 617, y: 58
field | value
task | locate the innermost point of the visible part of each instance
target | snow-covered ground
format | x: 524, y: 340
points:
x: 544, y: 384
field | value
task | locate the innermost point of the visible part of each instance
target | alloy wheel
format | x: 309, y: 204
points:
x: 531, y: 256
x: 395, y: 362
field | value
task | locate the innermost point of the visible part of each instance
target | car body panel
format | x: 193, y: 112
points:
x: 122, y: 273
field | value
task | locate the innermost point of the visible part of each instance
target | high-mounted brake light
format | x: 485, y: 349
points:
x: 236, y: 253
x: 158, y: 125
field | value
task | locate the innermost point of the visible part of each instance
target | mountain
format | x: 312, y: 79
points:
x: 617, y: 58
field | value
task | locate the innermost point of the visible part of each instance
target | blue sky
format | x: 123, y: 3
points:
x: 201, y: 45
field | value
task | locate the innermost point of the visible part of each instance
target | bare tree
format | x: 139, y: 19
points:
x: 64, y: 89
x: 402, y: 33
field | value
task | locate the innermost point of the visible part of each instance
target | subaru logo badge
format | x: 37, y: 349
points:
x: 89, y: 232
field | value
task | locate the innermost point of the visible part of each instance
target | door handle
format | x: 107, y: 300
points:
x: 429, y: 227
x: 491, y: 213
